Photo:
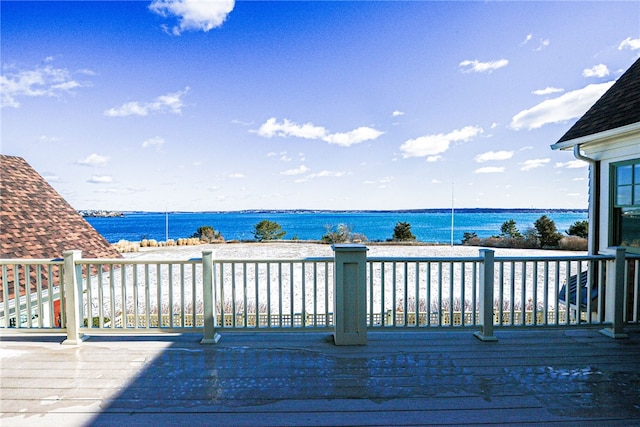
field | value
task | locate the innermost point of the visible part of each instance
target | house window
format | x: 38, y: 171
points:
x: 626, y: 205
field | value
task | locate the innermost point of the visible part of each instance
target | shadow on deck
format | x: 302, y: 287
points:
x: 527, y: 377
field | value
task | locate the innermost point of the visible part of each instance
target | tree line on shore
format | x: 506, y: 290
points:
x: 267, y: 230
x: 543, y: 234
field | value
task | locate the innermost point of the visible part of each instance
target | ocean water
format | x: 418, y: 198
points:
x: 433, y: 226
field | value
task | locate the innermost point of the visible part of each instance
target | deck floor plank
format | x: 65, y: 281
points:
x: 552, y: 377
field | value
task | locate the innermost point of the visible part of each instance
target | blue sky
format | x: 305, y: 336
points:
x: 193, y: 105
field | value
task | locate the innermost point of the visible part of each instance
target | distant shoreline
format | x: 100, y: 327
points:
x: 356, y: 211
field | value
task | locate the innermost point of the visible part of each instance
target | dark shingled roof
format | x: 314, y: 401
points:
x: 619, y: 106
x: 37, y: 222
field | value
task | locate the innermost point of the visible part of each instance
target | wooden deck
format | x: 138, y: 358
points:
x: 550, y: 377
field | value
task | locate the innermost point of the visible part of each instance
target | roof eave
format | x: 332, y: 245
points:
x: 598, y: 137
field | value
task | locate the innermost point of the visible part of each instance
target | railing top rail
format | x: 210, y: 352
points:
x: 553, y: 258
x: 272, y: 260
x: 41, y: 261
x: 129, y: 261
x: 423, y: 259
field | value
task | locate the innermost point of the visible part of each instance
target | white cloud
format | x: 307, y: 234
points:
x: 533, y: 164
x: 433, y: 159
x: 599, y: 70
x: 287, y: 128
x: 100, y: 179
x: 547, y: 91
x: 156, y: 142
x: 527, y: 39
x: 543, y: 43
x: 297, y: 171
x: 47, y: 139
x: 169, y: 103
x: 50, y: 177
x: 236, y: 175
x: 382, y: 181
x: 565, y: 107
x: 44, y: 81
x: 328, y: 174
x: 475, y: 66
x: 432, y: 145
x: 629, y: 43
x: 94, y: 160
x: 272, y: 128
x: 397, y: 113
x: 193, y: 15
x: 355, y: 136
x: 490, y: 169
x: 493, y: 155
x: 572, y: 164
x: 436, y: 181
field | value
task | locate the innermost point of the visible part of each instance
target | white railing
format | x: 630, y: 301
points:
x: 31, y: 294
x: 481, y: 293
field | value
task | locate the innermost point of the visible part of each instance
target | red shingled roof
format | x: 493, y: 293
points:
x: 37, y: 222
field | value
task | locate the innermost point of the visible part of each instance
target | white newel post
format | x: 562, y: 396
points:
x: 350, y: 294
x: 210, y: 334
x: 72, y: 297
x: 614, y: 296
x: 485, y: 304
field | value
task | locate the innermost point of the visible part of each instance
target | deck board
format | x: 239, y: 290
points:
x: 551, y: 377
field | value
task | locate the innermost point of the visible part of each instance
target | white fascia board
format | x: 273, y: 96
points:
x: 611, y: 134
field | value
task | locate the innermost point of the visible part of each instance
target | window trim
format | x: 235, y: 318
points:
x: 614, y: 207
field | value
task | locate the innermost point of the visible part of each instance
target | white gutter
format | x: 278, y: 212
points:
x: 605, y: 135
x: 578, y: 155
x: 594, y: 200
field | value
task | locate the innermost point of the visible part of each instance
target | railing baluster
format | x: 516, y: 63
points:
x: 512, y: 293
x: 534, y: 293
x: 394, y: 292
x: 269, y: 294
x: 244, y: 295
x: 427, y: 280
x: 315, y: 294
x: 383, y: 291
x: 417, y: 294
x: 636, y: 291
x: 27, y: 293
x: 463, y: 302
x: 123, y: 294
x: 501, y: 294
x: 327, y: 321
x: 39, y: 306
x: 256, y: 269
x: 474, y: 287
x: 303, y: 285
x: 194, y: 295
x: 545, y: 297
x: 280, y: 319
x: 86, y: 279
x: 291, y: 300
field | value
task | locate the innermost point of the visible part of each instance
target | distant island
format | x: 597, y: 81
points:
x: 370, y: 211
x: 100, y: 214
